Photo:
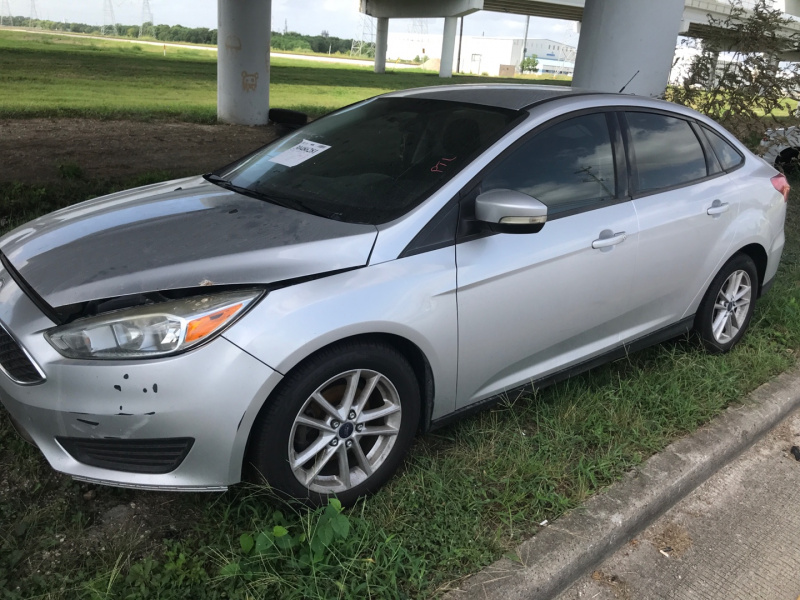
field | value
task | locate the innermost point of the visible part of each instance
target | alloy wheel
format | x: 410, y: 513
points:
x: 731, y: 306
x: 344, y: 431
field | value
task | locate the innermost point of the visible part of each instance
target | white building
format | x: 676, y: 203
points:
x: 484, y: 55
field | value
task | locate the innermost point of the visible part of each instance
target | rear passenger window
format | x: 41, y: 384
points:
x: 567, y: 167
x: 666, y: 151
x: 728, y: 156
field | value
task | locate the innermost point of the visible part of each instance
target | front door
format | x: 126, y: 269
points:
x: 533, y: 304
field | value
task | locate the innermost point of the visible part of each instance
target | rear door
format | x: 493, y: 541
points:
x: 686, y: 208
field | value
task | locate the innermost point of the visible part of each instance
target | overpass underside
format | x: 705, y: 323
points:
x: 620, y: 39
x: 572, y: 11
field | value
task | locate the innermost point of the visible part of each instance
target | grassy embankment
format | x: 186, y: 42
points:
x: 68, y: 76
x: 468, y: 493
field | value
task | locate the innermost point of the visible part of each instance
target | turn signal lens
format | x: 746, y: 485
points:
x: 200, y: 328
x: 780, y: 183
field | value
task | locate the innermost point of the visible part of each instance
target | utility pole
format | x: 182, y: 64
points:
x: 5, y: 14
x: 34, y: 16
x: 109, y: 21
x: 147, y: 17
x: 460, y: 39
x: 525, y: 41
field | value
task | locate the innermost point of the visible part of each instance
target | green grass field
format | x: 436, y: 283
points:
x: 53, y: 76
x: 468, y: 494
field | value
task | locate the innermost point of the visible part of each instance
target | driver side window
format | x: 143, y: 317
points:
x: 568, y: 166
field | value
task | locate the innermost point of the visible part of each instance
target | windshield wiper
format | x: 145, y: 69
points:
x: 221, y: 182
x: 300, y: 205
x: 271, y: 198
x: 228, y: 185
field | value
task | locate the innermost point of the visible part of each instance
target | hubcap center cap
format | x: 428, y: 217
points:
x: 346, y: 430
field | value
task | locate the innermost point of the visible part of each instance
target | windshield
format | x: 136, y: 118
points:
x: 371, y: 162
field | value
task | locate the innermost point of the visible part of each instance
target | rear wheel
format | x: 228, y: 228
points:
x: 728, y: 305
x: 340, y: 424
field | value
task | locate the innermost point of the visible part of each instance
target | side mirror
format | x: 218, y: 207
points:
x: 510, y: 211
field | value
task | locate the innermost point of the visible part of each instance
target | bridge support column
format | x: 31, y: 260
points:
x: 448, y: 46
x: 621, y: 37
x: 381, y: 42
x: 243, y: 41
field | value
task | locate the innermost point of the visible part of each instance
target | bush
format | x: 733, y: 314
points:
x: 740, y: 91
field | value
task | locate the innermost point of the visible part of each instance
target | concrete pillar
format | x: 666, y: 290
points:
x: 712, y: 76
x: 621, y: 37
x: 243, y: 61
x: 448, y: 46
x: 381, y: 41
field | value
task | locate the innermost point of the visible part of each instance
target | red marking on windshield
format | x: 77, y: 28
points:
x: 443, y: 162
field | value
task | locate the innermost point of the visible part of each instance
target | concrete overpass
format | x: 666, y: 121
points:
x: 619, y: 39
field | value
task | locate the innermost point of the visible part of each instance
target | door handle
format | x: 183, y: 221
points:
x: 612, y: 240
x: 717, y: 208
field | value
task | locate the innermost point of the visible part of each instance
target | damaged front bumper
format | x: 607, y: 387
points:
x: 176, y: 423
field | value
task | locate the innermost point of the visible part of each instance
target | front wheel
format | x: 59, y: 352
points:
x: 340, y: 424
x: 728, y: 305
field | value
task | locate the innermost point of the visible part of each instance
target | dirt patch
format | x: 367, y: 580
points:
x: 615, y: 584
x: 36, y: 150
x: 672, y: 540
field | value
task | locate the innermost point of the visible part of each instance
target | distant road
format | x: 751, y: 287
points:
x: 328, y: 59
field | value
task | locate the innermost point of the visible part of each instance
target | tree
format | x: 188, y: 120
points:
x: 736, y: 77
x: 529, y: 64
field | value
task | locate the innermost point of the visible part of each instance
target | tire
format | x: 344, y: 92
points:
x: 728, y: 305
x: 312, y: 442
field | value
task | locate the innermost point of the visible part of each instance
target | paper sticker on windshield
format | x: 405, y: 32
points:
x: 298, y: 154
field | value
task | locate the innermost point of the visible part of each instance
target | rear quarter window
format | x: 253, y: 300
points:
x: 727, y: 155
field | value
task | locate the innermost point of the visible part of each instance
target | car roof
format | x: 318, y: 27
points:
x: 513, y: 96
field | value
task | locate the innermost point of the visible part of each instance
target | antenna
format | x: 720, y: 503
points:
x: 367, y: 35
x: 109, y: 22
x: 622, y: 89
x: 146, y: 28
x: 5, y: 14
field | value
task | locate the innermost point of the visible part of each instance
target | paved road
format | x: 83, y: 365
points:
x: 736, y: 537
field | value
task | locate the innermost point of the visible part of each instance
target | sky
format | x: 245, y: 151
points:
x: 339, y: 17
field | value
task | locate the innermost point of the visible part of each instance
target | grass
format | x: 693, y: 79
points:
x: 467, y: 495
x: 70, y: 76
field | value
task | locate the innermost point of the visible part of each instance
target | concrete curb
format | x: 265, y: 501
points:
x: 553, y: 559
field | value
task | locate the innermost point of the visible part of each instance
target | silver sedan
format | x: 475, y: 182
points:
x: 298, y: 316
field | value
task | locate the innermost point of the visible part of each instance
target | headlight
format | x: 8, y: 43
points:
x: 151, y: 330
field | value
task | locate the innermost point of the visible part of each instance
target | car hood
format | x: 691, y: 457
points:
x: 179, y: 234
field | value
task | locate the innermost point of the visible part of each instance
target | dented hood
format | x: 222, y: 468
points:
x: 179, y: 234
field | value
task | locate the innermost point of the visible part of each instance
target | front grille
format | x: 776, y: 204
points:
x: 133, y: 456
x: 15, y: 362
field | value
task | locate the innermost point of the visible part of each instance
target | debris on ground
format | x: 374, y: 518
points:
x: 796, y: 453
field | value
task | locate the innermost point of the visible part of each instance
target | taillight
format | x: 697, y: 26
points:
x: 779, y: 183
